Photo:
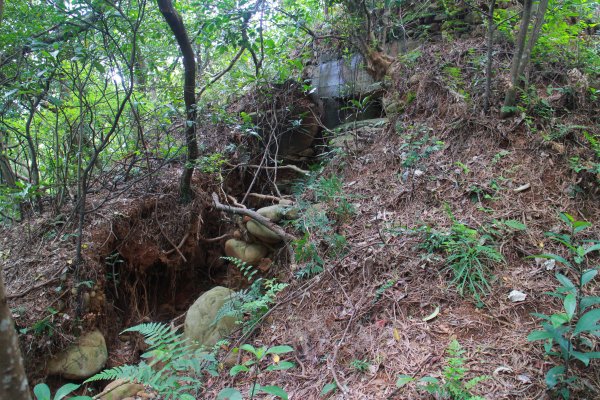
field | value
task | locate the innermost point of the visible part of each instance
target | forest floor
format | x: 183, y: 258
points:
x: 386, y: 302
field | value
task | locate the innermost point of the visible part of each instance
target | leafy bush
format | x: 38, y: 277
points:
x: 569, y: 334
x: 453, y: 386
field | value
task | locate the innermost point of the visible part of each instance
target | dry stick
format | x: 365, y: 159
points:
x: 265, y: 197
x: 287, y: 166
x: 215, y: 239
x: 286, y: 237
x: 181, y: 242
x: 343, y: 388
x: 24, y: 292
x: 164, y: 234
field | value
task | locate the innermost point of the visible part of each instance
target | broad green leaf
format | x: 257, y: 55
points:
x: 559, y: 319
x: 539, y: 335
x: 583, y: 357
x: 567, y: 218
x: 280, y: 350
x: 514, y: 224
x: 589, y: 301
x: 329, y: 388
x: 570, y: 304
x: 237, y: 369
x: 275, y: 391
x: 229, y: 394
x: 566, y: 282
x: 595, y: 247
x: 588, y: 276
x: 41, y: 391
x: 280, y: 366
x: 579, y: 226
x: 588, y: 322
x: 553, y: 376
x: 249, y: 348
x: 65, y: 390
x: 404, y: 380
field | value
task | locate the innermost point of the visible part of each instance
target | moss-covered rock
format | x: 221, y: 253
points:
x: 200, y: 324
x: 120, y: 390
x: 250, y: 253
x: 262, y: 233
x: 81, y: 360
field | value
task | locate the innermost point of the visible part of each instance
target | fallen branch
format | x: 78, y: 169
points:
x: 288, y: 166
x: 286, y: 237
x: 24, y: 292
x: 265, y: 197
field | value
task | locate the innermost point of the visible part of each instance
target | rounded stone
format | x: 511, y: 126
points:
x: 82, y: 360
x: 249, y: 253
x: 262, y: 233
x: 200, y: 325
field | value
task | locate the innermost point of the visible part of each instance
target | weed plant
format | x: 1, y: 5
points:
x: 453, y: 386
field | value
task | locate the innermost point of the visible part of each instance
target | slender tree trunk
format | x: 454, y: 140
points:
x: 13, y: 384
x: 189, y: 63
x: 490, y: 46
x: 534, y: 35
x: 511, y: 93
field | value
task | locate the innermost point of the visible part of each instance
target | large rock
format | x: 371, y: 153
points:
x: 262, y: 233
x: 82, y: 360
x: 200, y: 323
x: 249, y: 253
x: 120, y: 390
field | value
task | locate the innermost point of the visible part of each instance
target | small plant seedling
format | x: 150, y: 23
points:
x: 41, y: 391
x: 360, y: 365
x: 453, y: 386
x: 254, y: 366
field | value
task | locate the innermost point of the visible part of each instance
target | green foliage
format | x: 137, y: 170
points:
x: 470, y: 257
x: 453, y: 385
x: 568, y: 335
x: 254, y: 366
x: 174, y: 368
x: 212, y: 163
x: 253, y: 302
x: 41, y: 391
x: 360, y: 365
x: 418, y: 145
x: 246, y: 269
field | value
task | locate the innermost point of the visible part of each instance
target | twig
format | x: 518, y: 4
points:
x: 265, y: 197
x: 255, y: 216
x: 215, y: 239
x: 343, y: 388
x: 287, y: 166
x: 24, y: 292
x: 187, y: 234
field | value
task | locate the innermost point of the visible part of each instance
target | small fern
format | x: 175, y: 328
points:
x: 246, y: 269
x: 174, y: 368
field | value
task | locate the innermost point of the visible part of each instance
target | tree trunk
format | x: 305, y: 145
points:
x: 13, y: 384
x: 511, y: 94
x: 488, y: 66
x: 535, y: 34
x: 189, y: 63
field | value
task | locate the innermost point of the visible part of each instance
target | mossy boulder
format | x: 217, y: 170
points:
x: 200, y: 326
x: 81, y: 360
x: 250, y: 253
x: 277, y: 212
x: 262, y: 233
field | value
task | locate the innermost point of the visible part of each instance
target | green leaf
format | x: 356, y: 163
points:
x: 539, y: 335
x: 589, y: 301
x: 570, y: 304
x: 41, y: 391
x: 283, y: 365
x: 65, y: 390
x: 514, y: 224
x: 329, y: 388
x: 566, y: 282
x: 579, y: 226
x: 583, y: 357
x: 567, y: 218
x: 559, y: 319
x: 249, y: 348
x: 588, y: 322
x: 237, y: 369
x: 280, y: 350
x: 595, y: 247
x: 275, y: 391
x: 554, y: 376
x: 588, y: 276
x: 229, y: 394
x: 404, y: 380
